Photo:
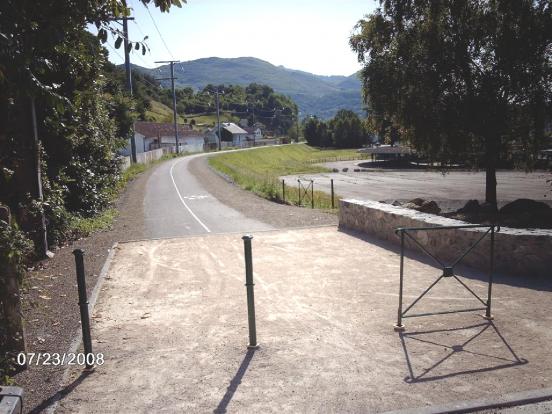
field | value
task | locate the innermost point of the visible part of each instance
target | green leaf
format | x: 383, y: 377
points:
x: 102, y: 35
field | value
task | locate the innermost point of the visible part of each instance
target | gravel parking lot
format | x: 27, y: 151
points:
x: 451, y: 190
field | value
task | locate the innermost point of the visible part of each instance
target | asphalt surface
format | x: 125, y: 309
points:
x: 452, y: 188
x: 177, y: 204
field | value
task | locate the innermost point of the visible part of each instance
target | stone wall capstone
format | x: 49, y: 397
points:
x: 521, y: 252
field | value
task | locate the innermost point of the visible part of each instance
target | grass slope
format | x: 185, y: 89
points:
x: 259, y: 170
x: 161, y: 113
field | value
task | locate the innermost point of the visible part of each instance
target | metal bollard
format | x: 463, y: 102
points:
x: 284, y: 191
x: 488, y: 315
x: 333, y: 205
x: 399, y: 327
x: 299, y: 189
x: 83, y: 304
x: 250, y: 293
x: 312, y: 194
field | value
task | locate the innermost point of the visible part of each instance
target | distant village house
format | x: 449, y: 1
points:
x: 232, y: 136
x: 149, y: 136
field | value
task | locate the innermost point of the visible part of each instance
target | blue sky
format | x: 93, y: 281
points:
x: 303, y: 34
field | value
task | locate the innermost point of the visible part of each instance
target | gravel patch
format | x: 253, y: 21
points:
x: 253, y: 206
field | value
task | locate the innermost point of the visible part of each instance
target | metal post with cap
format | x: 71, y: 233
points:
x: 83, y: 304
x: 250, y: 293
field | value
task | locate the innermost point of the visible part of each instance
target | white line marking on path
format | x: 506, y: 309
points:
x: 182, y: 199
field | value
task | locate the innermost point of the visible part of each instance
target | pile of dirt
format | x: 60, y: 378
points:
x: 521, y: 213
x: 423, y: 206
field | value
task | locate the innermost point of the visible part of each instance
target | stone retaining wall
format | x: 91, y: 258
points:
x: 517, y: 251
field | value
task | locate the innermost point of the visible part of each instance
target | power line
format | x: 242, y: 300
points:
x: 115, y: 50
x: 138, y: 27
x: 139, y: 55
x: 143, y: 36
x: 160, y: 35
x: 143, y: 77
x: 172, y: 78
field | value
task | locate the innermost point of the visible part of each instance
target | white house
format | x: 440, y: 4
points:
x: 253, y: 133
x: 227, y: 129
x: 152, y: 135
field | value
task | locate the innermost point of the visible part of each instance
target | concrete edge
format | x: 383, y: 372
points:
x: 321, y: 226
x: 471, y: 406
x: 76, y: 342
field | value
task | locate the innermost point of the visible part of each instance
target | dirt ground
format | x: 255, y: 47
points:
x: 49, y: 299
x: 50, y: 295
x: 172, y: 324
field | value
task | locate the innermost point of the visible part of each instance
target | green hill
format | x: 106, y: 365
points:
x: 316, y: 95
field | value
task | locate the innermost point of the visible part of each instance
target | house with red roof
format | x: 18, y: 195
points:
x: 153, y: 135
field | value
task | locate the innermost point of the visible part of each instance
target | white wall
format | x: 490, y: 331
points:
x: 192, y: 146
x: 149, y: 156
x: 139, y: 140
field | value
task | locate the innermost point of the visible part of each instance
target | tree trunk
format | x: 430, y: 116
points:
x: 492, y: 145
x: 490, y: 184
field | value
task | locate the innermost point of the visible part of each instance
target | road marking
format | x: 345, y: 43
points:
x: 196, y: 197
x: 182, y: 199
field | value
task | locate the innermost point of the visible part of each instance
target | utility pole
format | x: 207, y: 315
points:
x: 298, y: 113
x: 128, y: 71
x: 172, y: 78
x: 218, y: 119
x: 38, y: 163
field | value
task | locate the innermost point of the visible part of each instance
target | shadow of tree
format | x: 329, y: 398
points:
x: 533, y: 282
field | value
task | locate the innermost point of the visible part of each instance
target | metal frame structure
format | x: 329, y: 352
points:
x: 448, y: 271
x: 304, y: 191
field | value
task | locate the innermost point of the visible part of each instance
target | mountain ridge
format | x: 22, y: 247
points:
x: 318, y: 95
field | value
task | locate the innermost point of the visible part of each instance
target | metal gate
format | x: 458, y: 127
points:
x: 306, y: 191
x: 448, y: 271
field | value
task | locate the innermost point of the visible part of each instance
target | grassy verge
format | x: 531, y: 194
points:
x: 259, y: 170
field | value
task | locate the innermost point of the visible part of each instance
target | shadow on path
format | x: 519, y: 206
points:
x: 235, y: 382
x: 460, y: 350
x: 61, y: 394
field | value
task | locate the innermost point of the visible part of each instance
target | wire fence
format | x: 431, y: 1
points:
x: 339, y: 158
x: 306, y: 193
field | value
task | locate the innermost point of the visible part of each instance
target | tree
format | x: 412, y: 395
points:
x: 316, y: 133
x: 48, y: 61
x: 468, y: 78
x: 347, y: 130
